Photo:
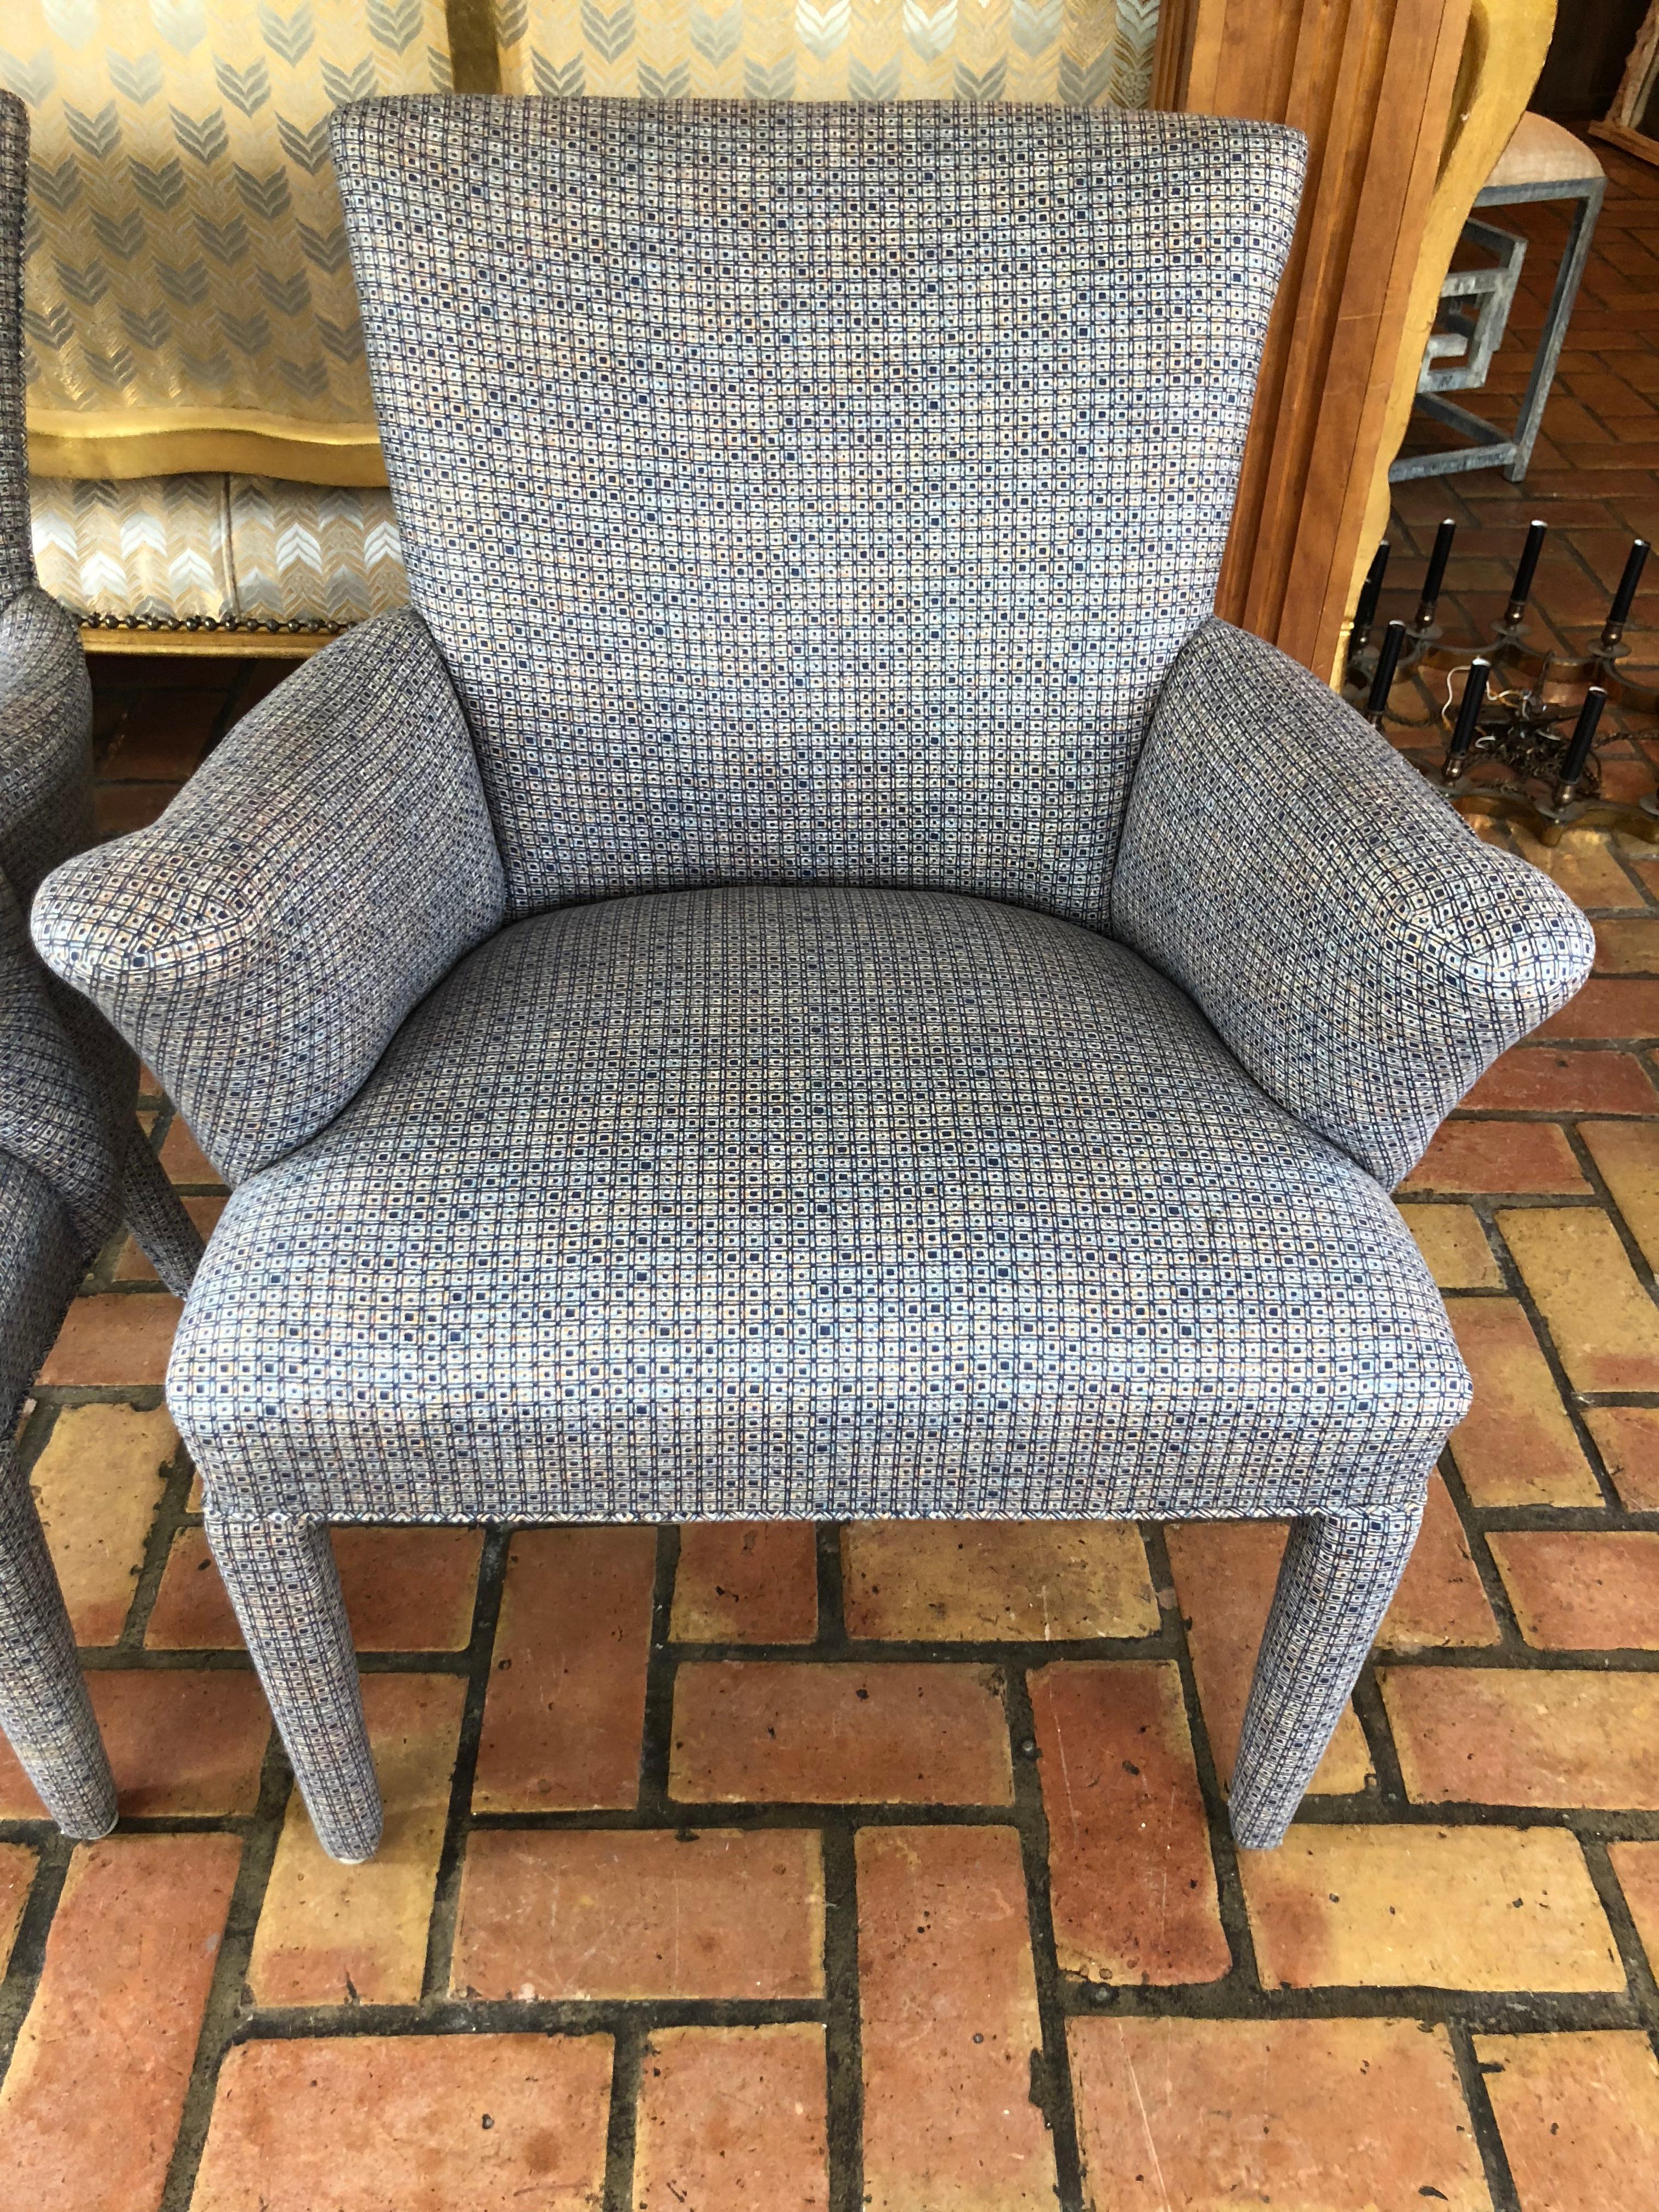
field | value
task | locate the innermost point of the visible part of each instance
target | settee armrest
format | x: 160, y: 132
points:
x: 1359, y: 950
x: 261, y: 943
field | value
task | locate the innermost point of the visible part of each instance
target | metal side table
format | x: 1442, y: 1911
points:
x: 1542, y: 161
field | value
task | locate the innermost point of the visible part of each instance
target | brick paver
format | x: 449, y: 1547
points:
x: 1627, y: 1438
x: 1579, y: 2117
x: 362, y: 2123
x: 732, y: 2118
x: 747, y: 1582
x: 1517, y: 1445
x: 1034, y: 1582
x: 1349, y: 2115
x: 1577, y: 1591
x: 331, y: 1935
x: 96, y: 2085
x: 406, y: 1589
x: 766, y: 1731
x: 1514, y: 1736
x: 18, y: 1867
x: 567, y: 1685
x: 1442, y: 1908
x: 949, y: 2006
x: 888, y: 1866
x: 181, y: 1744
x: 98, y: 1483
x: 713, y: 1913
x: 1454, y: 1241
x: 1130, y: 1875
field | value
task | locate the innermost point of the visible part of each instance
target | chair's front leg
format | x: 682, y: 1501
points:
x: 44, y: 1711
x: 1338, y: 1573
x: 282, y: 1581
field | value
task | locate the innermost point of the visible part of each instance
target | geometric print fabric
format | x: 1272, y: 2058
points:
x: 811, y: 492
x: 811, y: 1203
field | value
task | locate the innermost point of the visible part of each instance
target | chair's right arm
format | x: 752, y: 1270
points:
x: 261, y: 942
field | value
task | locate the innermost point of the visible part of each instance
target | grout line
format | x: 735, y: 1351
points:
x: 447, y: 1887
x: 171, y: 1515
x: 22, y: 1976
x: 661, y: 1668
x: 628, y: 2039
x: 1056, y: 2095
x: 1224, y: 1852
x: 229, y: 2005
x: 843, y: 2025
x: 1500, y: 2182
x: 1626, y: 1939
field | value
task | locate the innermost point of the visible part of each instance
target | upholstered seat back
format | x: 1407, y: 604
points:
x: 811, y: 493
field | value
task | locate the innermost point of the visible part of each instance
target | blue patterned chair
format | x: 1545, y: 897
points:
x: 808, y: 975
x: 73, y: 1159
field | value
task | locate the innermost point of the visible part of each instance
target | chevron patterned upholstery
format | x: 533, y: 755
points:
x: 1077, y: 52
x: 728, y: 1013
x: 231, y: 548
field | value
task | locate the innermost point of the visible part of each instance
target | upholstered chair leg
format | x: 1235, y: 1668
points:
x: 1338, y: 1576
x: 282, y: 1579
x: 44, y: 1710
x: 169, y: 1239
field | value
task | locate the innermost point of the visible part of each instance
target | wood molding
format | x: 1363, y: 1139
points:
x: 1370, y: 83
x: 1504, y: 50
x: 1627, y: 141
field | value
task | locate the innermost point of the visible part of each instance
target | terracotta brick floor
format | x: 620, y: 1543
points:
x: 791, y: 1868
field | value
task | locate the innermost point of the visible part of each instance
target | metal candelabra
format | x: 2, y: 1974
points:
x: 1522, y: 727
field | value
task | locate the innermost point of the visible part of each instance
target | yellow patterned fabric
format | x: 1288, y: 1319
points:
x: 231, y: 548
x: 1079, y: 52
x: 188, y: 301
x: 185, y: 249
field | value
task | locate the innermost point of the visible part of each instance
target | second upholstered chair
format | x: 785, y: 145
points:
x: 73, y: 1160
x: 808, y: 975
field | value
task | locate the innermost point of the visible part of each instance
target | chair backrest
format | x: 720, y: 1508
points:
x: 16, y: 557
x: 810, y: 493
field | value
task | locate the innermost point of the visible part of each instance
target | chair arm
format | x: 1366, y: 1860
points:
x: 1361, y: 952
x: 45, y: 740
x: 261, y: 943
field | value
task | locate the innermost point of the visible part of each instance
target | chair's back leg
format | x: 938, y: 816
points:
x: 44, y: 1710
x: 282, y: 1581
x: 1338, y: 1576
x: 168, y: 1236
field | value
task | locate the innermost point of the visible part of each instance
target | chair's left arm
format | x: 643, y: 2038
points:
x: 261, y: 942
x: 1359, y: 949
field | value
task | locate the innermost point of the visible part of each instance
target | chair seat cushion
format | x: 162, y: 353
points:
x: 811, y: 1202
x: 1542, y: 152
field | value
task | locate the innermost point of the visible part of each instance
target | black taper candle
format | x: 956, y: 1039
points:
x: 1583, y: 736
x: 1436, y: 575
x: 1388, y: 661
x: 1521, y: 589
x: 1625, y: 598
x: 1469, y: 716
x: 1364, y: 615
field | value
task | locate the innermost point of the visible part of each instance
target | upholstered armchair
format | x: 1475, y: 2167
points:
x: 73, y: 1160
x: 808, y: 975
